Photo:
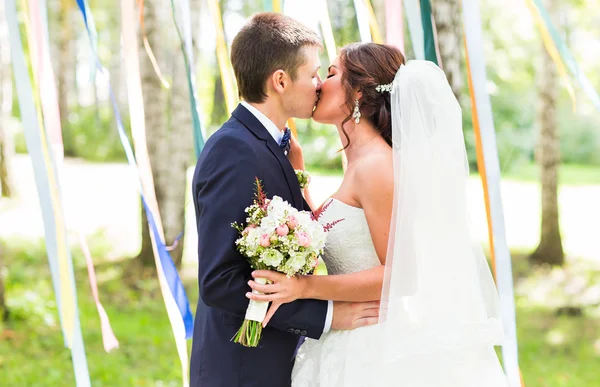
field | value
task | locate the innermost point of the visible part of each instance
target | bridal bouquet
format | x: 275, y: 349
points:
x: 276, y: 237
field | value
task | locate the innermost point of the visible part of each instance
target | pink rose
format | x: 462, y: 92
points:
x: 292, y: 222
x: 283, y: 230
x: 265, y: 240
x: 303, y: 239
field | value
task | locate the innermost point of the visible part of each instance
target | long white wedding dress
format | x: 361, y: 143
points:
x: 355, y: 358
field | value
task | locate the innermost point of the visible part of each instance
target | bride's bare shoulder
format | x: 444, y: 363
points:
x: 375, y: 172
x: 377, y: 163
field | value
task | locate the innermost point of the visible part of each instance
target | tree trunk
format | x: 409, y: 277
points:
x: 117, y: 79
x: 6, y: 144
x: 155, y: 103
x: 448, y: 24
x: 3, y: 308
x: 170, y: 142
x: 550, y: 249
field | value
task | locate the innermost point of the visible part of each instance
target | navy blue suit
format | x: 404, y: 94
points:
x: 223, y: 186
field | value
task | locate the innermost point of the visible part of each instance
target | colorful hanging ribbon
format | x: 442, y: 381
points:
x: 170, y: 285
x: 394, y: 23
x: 373, y: 25
x: 172, y: 288
x: 59, y: 257
x: 39, y: 46
x: 560, y: 53
x: 415, y: 27
x: 148, y: 48
x: 327, y: 31
x: 223, y: 57
x: 552, y: 51
x: 188, y: 56
x: 109, y: 341
x: 429, y: 36
x: 277, y: 6
x: 44, y: 76
x: 362, y: 17
x: 489, y: 168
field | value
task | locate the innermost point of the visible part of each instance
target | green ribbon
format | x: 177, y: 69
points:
x: 429, y: 38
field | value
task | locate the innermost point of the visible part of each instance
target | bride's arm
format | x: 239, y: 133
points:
x: 296, y: 157
x: 374, y: 187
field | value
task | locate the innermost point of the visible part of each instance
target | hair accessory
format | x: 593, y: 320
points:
x: 385, y: 88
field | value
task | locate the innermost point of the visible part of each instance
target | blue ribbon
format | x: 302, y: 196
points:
x: 170, y: 271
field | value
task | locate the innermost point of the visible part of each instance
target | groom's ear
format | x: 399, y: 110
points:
x: 279, y: 81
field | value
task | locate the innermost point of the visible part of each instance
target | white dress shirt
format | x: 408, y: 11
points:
x: 277, y: 136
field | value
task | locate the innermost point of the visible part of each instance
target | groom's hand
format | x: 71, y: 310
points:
x: 351, y: 315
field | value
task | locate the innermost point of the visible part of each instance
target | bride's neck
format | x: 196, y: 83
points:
x: 359, y: 136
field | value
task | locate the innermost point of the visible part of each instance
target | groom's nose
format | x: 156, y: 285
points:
x: 319, y: 82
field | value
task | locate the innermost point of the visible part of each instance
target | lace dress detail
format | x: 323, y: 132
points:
x: 353, y: 358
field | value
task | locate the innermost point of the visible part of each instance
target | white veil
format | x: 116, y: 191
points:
x: 438, y: 293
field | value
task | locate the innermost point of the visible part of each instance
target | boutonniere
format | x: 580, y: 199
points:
x: 303, y: 178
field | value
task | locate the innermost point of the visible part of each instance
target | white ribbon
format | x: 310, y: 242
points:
x: 504, y: 281
x: 415, y: 26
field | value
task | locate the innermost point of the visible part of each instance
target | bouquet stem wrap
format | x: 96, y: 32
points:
x: 250, y: 332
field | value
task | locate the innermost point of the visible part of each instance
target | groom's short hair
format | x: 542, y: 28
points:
x: 267, y: 43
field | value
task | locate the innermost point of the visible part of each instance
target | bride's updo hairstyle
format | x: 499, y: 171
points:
x: 367, y: 65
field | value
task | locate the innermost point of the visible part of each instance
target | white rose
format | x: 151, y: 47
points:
x: 297, y: 260
x: 269, y: 222
x: 253, y: 237
x: 271, y: 257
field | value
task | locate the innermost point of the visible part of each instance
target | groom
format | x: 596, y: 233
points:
x: 275, y: 60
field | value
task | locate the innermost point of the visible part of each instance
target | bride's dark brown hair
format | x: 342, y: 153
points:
x: 366, y: 65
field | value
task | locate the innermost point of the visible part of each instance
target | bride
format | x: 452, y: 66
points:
x: 399, y: 233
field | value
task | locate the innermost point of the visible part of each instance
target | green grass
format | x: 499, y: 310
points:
x: 31, y: 345
x: 558, y: 351
x: 554, y: 351
x: 569, y: 174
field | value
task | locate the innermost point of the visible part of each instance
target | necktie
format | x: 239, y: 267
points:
x: 285, y: 141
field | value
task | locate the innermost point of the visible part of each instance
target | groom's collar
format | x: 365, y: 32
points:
x: 250, y: 121
x: 265, y: 121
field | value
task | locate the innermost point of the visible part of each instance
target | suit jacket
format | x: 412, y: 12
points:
x: 223, y: 186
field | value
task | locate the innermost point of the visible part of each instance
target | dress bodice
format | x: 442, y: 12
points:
x: 349, y: 247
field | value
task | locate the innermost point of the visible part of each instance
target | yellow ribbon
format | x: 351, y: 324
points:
x: 223, y: 57
x: 552, y: 50
x: 375, y: 34
x: 277, y: 6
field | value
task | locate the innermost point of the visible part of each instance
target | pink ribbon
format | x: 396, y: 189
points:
x: 108, y: 337
x: 394, y: 23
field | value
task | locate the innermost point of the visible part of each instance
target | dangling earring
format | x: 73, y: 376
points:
x: 356, y: 115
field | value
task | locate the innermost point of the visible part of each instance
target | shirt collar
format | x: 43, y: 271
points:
x: 267, y: 123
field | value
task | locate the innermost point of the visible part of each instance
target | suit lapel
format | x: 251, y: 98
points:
x: 254, y: 125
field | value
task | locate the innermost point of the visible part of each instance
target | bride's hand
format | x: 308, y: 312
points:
x: 296, y: 155
x: 281, y: 290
